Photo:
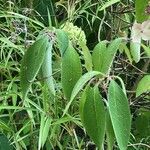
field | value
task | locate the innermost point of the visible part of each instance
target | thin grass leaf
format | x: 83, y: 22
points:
x: 108, y: 4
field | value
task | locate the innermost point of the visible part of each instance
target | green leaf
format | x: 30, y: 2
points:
x: 127, y: 52
x: 4, y: 126
x: 41, y: 6
x: 135, y: 51
x: 146, y: 49
x: 9, y: 43
x: 142, y: 123
x: 120, y: 114
x: 62, y: 41
x: 98, y: 55
x: 79, y: 85
x: 31, y: 63
x: 92, y: 114
x: 140, y: 8
x: 103, y: 57
x: 71, y: 70
x: 47, y: 69
x: 4, y: 143
x: 41, y: 131
x: 46, y: 130
x: 108, y: 4
x: 109, y: 132
x: 143, y: 85
x: 87, y: 56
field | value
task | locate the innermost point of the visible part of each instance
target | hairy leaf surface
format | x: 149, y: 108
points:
x: 92, y: 114
x: 120, y: 114
x: 71, y: 70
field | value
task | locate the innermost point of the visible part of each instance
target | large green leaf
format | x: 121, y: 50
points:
x: 103, y: 57
x: 31, y: 63
x: 92, y: 114
x: 120, y: 114
x: 47, y: 69
x: 79, y: 85
x: 71, y: 70
x: 143, y: 85
x: 140, y: 10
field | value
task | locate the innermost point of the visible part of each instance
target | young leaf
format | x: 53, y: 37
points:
x: 140, y: 10
x: 143, y: 85
x: 103, y: 57
x: 92, y: 114
x: 135, y: 51
x: 71, y: 70
x: 47, y: 69
x: 31, y: 63
x: 120, y: 114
